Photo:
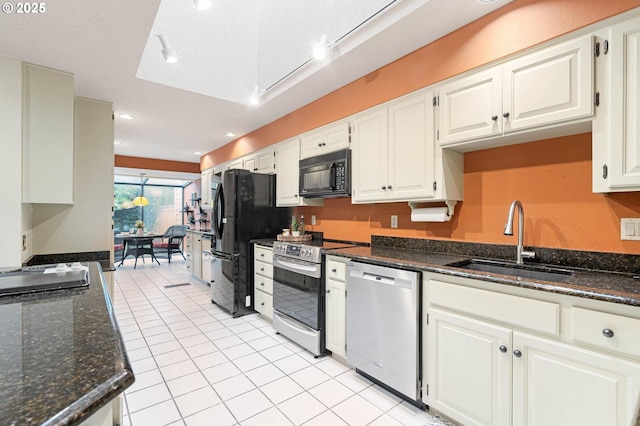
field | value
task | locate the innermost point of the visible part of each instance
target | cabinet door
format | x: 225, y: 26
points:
x: 469, y: 369
x: 370, y: 157
x: 264, y: 303
x: 557, y: 384
x: 206, y: 188
x: 236, y: 164
x: 287, y: 168
x: 336, y: 137
x: 336, y: 323
x: 311, y: 144
x: 411, y: 148
x: 550, y: 86
x: 624, y: 169
x: 47, y: 152
x: 470, y: 107
x: 265, y: 162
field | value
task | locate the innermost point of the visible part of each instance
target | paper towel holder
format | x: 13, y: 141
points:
x: 450, y: 206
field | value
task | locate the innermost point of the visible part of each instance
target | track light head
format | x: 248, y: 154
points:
x: 202, y: 4
x: 257, y: 96
x: 321, y: 48
x: 168, y: 52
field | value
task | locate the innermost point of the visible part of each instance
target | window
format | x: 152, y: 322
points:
x: 166, y: 201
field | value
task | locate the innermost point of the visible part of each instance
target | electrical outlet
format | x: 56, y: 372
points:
x: 394, y: 221
x: 313, y: 219
x: 630, y: 229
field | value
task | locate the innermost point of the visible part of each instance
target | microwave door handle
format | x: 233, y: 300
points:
x: 332, y: 173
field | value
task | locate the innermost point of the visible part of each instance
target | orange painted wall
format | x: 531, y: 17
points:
x: 155, y: 164
x: 552, y: 178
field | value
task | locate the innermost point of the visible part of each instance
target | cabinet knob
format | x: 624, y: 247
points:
x: 324, y: 144
x: 262, y: 304
x: 517, y: 353
x: 388, y: 186
x: 494, y: 117
x: 262, y: 284
x: 261, y: 254
x: 319, y: 144
x: 384, y: 187
x: 295, y: 195
x: 608, y: 333
x: 506, y: 115
x: 261, y: 269
x: 328, y: 291
x: 334, y: 270
x: 503, y: 349
x: 255, y: 169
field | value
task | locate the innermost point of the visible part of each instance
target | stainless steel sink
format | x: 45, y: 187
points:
x: 535, y: 272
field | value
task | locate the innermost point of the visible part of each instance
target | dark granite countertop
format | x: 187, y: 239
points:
x: 62, y: 356
x: 615, y: 287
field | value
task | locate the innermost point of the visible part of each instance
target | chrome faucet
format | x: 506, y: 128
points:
x: 508, y: 230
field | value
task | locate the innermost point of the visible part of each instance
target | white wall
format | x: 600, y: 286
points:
x: 84, y: 226
x: 11, y: 225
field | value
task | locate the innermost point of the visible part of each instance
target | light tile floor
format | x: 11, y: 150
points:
x: 196, y: 365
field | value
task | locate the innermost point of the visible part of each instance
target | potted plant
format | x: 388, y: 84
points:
x: 295, y: 231
x: 140, y: 226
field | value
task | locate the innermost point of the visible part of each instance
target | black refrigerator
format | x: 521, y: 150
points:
x: 244, y: 208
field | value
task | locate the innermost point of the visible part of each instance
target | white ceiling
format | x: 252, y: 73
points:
x: 113, y: 49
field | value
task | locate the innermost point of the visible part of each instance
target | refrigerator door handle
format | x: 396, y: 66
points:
x: 223, y: 256
x: 218, y: 212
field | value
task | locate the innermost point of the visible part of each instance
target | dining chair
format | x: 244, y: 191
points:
x: 172, y: 241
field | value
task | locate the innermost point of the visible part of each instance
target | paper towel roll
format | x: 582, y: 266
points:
x: 431, y: 214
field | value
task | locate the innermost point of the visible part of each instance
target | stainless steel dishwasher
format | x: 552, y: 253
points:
x: 383, y: 327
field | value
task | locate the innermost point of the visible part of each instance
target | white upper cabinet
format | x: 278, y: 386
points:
x: 262, y: 161
x: 205, y: 183
x: 395, y: 158
x: 471, y: 107
x: 547, y: 88
x: 616, y: 129
x: 47, y: 120
x: 329, y: 138
x: 288, y: 175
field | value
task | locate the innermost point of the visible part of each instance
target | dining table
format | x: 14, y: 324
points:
x: 137, y: 245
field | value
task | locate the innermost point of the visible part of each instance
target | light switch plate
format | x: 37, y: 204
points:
x: 394, y: 221
x: 313, y: 219
x: 630, y: 228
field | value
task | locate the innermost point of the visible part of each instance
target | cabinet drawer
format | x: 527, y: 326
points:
x: 515, y: 311
x: 336, y: 270
x: 592, y: 327
x: 264, y: 304
x: 263, y: 254
x: 264, y: 269
x: 263, y: 283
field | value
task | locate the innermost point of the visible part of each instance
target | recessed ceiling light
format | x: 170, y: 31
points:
x: 230, y: 135
x: 197, y: 153
x: 485, y: 1
x: 202, y: 4
x: 116, y: 143
x: 126, y: 116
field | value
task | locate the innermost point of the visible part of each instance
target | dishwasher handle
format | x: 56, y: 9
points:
x: 378, y: 278
x: 401, y: 278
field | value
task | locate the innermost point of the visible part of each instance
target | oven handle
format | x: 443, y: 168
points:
x: 295, y: 267
x: 222, y: 255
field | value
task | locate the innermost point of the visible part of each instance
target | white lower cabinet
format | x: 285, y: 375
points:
x: 263, y: 280
x: 483, y: 368
x: 336, y: 305
x: 559, y: 384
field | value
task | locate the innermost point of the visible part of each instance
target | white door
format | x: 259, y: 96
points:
x: 558, y: 384
x: 471, y: 107
x: 411, y: 148
x: 288, y: 172
x: 550, y: 86
x: 625, y: 109
x: 370, y: 157
x: 469, y: 371
x: 336, y: 328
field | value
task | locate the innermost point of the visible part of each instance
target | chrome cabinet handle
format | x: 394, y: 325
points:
x: 517, y: 353
x: 503, y: 349
x: 608, y: 333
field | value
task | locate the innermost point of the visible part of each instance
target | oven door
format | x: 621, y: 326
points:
x: 297, y: 290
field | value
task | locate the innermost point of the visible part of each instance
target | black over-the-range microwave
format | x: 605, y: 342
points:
x: 327, y: 175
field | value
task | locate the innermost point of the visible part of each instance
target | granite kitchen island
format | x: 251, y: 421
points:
x: 62, y: 357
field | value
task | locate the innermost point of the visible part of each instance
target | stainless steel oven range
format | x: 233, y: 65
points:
x: 298, y: 292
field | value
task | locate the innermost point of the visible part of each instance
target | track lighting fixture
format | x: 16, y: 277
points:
x: 257, y: 97
x: 321, y: 48
x: 169, y: 53
x: 202, y: 4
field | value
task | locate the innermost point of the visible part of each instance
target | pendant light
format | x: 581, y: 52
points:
x: 141, y: 200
